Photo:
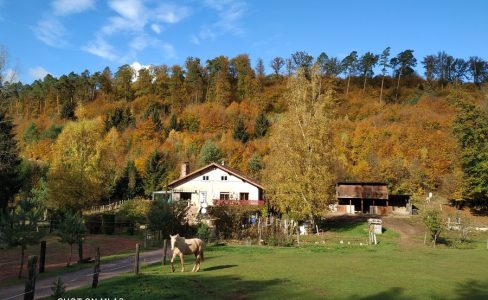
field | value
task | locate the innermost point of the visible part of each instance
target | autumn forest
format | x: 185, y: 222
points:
x: 419, y: 124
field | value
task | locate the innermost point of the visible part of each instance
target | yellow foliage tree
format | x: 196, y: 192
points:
x: 74, y: 179
x: 299, y: 173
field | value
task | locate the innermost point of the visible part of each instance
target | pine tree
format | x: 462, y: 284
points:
x: 173, y: 123
x: 154, y: 173
x: 255, y: 165
x: 71, y: 231
x: 31, y: 134
x: 58, y: 288
x: 10, y: 181
x: 209, y: 153
x: 261, y: 126
x: 19, y: 227
x: 240, y: 132
x: 129, y: 185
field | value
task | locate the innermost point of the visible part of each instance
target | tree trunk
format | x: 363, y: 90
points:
x: 364, y: 83
x: 80, y: 251
x: 398, y: 85
x: 348, y: 81
x: 70, y: 254
x: 381, y: 90
x: 22, y: 250
x: 57, y: 104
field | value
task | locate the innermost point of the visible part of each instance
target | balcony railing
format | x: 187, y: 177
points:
x: 220, y: 202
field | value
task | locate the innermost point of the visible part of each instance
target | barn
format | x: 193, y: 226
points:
x: 370, y: 198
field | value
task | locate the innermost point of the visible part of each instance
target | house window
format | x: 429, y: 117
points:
x: 243, y: 196
x: 224, y: 196
x: 223, y: 177
x: 205, y: 177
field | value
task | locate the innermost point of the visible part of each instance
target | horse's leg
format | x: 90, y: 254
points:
x: 200, y: 259
x: 196, y: 261
x: 172, y: 262
x: 182, y: 260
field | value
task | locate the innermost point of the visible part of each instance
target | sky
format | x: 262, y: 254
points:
x: 61, y: 36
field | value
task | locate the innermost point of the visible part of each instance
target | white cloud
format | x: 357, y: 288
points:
x: 169, y: 51
x: 156, y: 28
x: 137, y: 66
x: 139, y: 24
x: 171, y: 14
x: 218, y: 4
x: 66, y: 7
x: 129, y: 9
x: 51, y: 32
x: 141, y: 42
x: 194, y: 39
x: 37, y: 73
x: 100, y: 47
x: 118, y: 24
x: 230, y: 13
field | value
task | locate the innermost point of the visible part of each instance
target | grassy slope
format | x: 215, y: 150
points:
x: 314, y: 271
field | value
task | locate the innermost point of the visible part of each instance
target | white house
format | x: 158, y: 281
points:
x: 215, y: 184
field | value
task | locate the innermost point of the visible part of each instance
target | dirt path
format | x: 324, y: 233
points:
x: 83, y: 277
x: 410, y: 232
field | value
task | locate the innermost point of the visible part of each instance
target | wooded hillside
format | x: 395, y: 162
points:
x: 107, y: 136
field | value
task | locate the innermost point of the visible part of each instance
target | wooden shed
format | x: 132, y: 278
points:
x: 369, y: 197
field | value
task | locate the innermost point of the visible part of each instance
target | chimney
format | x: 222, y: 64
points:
x: 223, y: 163
x: 185, y: 169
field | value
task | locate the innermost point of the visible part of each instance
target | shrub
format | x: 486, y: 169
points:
x: 167, y: 217
x: 52, y: 132
x: 434, y: 223
x: 203, y: 232
x: 231, y: 220
x: 136, y: 212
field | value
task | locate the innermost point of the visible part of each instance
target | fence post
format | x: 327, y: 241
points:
x: 136, y: 260
x: 30, y: 284
x: 145, y: 238
x: 42, y: 258
x: 165, y: 250
x: 96, y: 270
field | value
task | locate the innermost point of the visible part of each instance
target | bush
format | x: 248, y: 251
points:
x: 231, y: 221
x: 168, y: 217
x: 135, y: 211
x: 434, y: 223
x: 108, y: 223
x: 52, y: 132
x: 203, y: 232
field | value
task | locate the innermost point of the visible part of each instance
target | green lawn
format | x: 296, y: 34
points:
x: 317, y: 270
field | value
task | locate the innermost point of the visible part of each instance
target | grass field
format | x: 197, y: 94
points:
x: 322, y: 268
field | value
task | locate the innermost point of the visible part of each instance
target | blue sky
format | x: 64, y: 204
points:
x: 60, y: 36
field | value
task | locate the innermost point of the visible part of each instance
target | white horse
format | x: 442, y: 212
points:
x: 182, y: 246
